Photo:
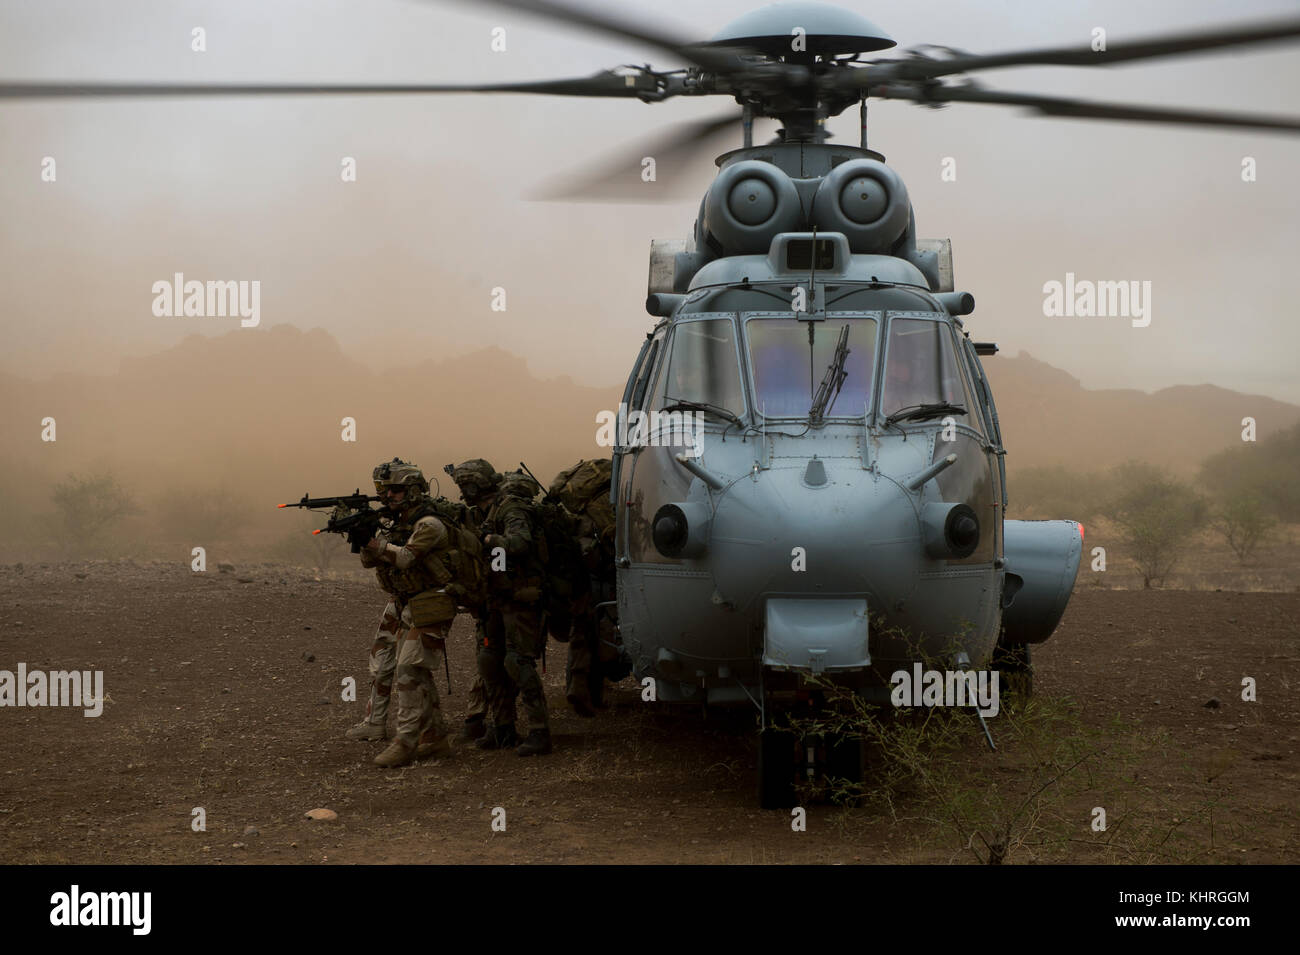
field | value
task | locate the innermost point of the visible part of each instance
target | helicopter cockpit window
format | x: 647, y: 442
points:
x: 643, y: 375
x: 922, y: 377
x: 703, y: 366
x: 788, y: 370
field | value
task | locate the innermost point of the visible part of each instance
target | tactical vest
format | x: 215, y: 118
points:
x: 432, y: 572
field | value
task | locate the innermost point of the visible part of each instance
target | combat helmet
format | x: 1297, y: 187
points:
x: 475, y: 473
x: 519, y: 484
x: 399, y: 473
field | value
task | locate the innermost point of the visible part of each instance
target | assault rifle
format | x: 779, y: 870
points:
x: 353, y: 516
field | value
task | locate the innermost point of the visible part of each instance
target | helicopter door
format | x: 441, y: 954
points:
x: 627, y: 397
x: 923, y: 366
x: 634, y: 398
x: 984, y: 393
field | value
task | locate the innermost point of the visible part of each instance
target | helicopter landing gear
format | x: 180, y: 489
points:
x: 778, y: 757
x: 845, y: 758
x: 786, y: 760
x: 1013, y: 662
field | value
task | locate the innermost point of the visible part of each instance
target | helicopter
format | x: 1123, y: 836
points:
x: 841, y: 512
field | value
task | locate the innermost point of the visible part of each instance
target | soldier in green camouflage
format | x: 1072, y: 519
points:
x: 413, y: 559
x: 582, y: 491
x: 514, y: 552
x: 477, y: 480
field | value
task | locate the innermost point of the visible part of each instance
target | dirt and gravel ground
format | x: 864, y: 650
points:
x: 224, y: 692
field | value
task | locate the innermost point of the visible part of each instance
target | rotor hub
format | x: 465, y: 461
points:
x: 785, y: 29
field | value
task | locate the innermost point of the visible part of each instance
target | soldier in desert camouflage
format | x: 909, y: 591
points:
x: 414, y: 560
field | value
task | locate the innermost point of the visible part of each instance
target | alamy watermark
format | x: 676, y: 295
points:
x: 53, y: 688
x: 75, y: 907
x: 655, y: 429
x: 1088, y: 299
x: 922, y: 687
x: 212, y: 299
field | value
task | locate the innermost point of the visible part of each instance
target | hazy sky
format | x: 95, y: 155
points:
x: 402, y: 262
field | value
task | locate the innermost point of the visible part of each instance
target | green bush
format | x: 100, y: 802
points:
x: 1156, y: 514
x: 88, y: 506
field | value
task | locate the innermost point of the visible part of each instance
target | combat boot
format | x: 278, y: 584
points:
x: 501, y: 737
x: 473, y: 729
x: 439, y: 746
x: 538, y: 743
x: 579, y: 696
x: 397, y: 754
x: 365, y: 730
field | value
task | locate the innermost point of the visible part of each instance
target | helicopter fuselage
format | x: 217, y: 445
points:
x: 839, y: 510
x: 814, y: 552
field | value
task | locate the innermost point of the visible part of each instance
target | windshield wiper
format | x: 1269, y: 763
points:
x: 924, y: 411
x: 832, y: 381
x: 681, y: 404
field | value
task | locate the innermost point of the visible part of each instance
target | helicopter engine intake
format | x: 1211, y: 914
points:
x: 748, y: 204
x: 865, y: 200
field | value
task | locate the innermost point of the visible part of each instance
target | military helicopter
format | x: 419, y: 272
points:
x: 846, y: 484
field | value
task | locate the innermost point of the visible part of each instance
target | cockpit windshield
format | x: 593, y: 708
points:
x: 921, y: 372
x: 788, y: 369
x: 702, y: 368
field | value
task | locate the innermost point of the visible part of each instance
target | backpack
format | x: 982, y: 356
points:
x: 575, y: 487
x: 566, y: 574
x: 464, y: 553
x: 584, y: 491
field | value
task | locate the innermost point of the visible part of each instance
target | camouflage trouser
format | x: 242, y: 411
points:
x: 478, y: 692
x: 581, y: 640
x: 419, y: 656
x: 478, y: 705
x: 383, y: 663
x: 525, y: 640
x: 499, y: 690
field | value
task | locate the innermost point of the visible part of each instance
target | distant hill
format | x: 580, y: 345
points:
x: 258, y: 412
x: 1049, y: 418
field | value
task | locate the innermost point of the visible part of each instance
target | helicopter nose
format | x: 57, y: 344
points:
x: 775, y: 533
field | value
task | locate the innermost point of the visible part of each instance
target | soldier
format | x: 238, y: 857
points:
x: 583, y: 492
x: 514, y: 554
x: 414, y: 562
x: 477, y: 479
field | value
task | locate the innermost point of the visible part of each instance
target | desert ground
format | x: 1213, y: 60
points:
x: 224, y: 692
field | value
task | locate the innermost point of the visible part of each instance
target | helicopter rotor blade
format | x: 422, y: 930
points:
x: 927, y: 68
x: 1083, y: 109
x: 719, y: 59
x: 619, y: 179
x: 604, y: 83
